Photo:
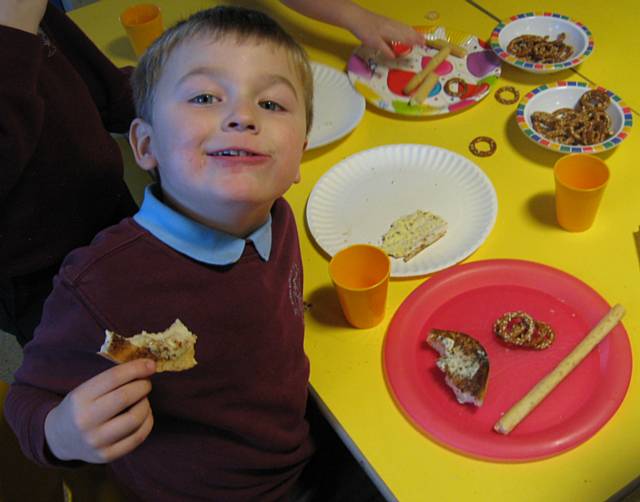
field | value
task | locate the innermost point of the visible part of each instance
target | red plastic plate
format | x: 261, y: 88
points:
x: 469, y: 298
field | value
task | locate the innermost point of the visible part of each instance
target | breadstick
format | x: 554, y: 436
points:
x: 424, y: 89
x: 432, y: 65
x: 542, y: 389
x: 438, y: 43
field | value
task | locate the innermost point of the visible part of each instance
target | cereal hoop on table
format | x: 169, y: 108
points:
x: 542, y: 23
x: 568, y: 94
x: 381, y: 80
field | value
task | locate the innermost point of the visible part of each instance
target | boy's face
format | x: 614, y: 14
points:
x: 228, y: 127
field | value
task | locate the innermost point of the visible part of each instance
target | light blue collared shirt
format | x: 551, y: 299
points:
x: 195, y: 239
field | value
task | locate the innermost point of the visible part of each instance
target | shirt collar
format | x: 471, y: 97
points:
x: 195, y: 239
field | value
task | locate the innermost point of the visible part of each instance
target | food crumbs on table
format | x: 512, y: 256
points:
x: 482, y: 140
x: 507, y: 89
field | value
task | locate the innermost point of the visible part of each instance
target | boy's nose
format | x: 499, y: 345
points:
x: 241, y: 118
x: 240, y: 125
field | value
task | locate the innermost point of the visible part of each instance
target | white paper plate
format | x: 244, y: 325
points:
x: 337, y: 106
x: 357, y: 200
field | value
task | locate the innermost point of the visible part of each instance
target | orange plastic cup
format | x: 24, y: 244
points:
x: 580, y: 183
x: 360, y: 274
x: 143, y: 24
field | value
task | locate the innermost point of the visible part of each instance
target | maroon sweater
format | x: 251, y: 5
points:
x: 61, y: 175
x: 233, y: 427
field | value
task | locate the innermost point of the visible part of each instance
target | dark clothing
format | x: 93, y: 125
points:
x: 233, y: 427
x: 61, y: 173
x: 21, y: 301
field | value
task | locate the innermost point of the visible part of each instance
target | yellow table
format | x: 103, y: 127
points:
x: 346, y: 369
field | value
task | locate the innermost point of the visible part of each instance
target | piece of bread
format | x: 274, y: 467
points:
x: 465, y: 363
x: 172, y: 349
x: 410, y: 234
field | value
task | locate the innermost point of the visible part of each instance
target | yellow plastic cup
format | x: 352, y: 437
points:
x: 580, y: 183
x: 143, y: 24
x: 360, y: 275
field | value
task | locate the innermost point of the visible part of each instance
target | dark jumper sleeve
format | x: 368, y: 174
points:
x: 109, y: 86
x: 21, y: 107
x: 61, y: 357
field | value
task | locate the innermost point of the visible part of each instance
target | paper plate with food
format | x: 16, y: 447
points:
x: 450, y: 72
x: 573, y: 117
x: 467, y: 346
x: 543, y: 42
x: 427, y: 207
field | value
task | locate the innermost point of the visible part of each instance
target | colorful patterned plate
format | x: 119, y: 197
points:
x: 548, y: 24
x: 381, y: 80
x: 548, y: 98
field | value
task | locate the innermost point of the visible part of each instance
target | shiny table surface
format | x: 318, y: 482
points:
x: 346, y: 364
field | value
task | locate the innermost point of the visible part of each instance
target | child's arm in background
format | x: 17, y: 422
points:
x: 21, y: 108
x: 109, y: 85
x: 373, y: 30
x: 104, y: 418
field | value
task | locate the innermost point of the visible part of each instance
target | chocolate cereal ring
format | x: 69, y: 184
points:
x: 543, y: 336
x: 473, y: 146
x: 461, y: 89
x: 516, y: 328
x: 507, y: 89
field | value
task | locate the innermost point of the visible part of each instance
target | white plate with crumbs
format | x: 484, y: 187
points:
x: 358, y: 199
x: 337, y: 106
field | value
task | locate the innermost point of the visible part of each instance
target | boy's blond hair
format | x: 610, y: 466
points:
x: 215, y: 24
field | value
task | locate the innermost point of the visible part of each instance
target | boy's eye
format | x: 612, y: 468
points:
x: 204, y: 99
x: 271, y: 105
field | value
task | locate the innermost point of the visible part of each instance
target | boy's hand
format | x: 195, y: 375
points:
x: 104, y: 418
x: 22, y: 14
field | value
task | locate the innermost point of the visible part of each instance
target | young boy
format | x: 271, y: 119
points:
x: 225, y: 103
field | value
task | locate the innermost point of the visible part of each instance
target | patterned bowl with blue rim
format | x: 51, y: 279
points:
x: 548, y: 24
x: 551, y: 97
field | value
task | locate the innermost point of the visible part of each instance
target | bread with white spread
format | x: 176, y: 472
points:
x: 172, y: 349
x: 412, y: 233
x: 464, y: 362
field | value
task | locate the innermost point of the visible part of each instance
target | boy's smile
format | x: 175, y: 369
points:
x: 227, y: 131
x: 236, y: 156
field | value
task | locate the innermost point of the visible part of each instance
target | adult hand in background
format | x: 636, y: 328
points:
x: 22, y: 14
x: 377, y: 32
x: 104, y: 418
x: 373, y: 30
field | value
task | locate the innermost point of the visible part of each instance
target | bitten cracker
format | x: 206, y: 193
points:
x: 412, y: 233
x: 172, y: 349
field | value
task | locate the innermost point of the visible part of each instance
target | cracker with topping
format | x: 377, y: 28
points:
x: 412, y: 233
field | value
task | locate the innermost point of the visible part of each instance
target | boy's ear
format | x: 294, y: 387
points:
x: 140, y: 141
x: 298, y: 176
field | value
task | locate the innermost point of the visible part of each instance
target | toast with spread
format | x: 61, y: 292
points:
x: 464, y: 362
x: 172, y: 349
